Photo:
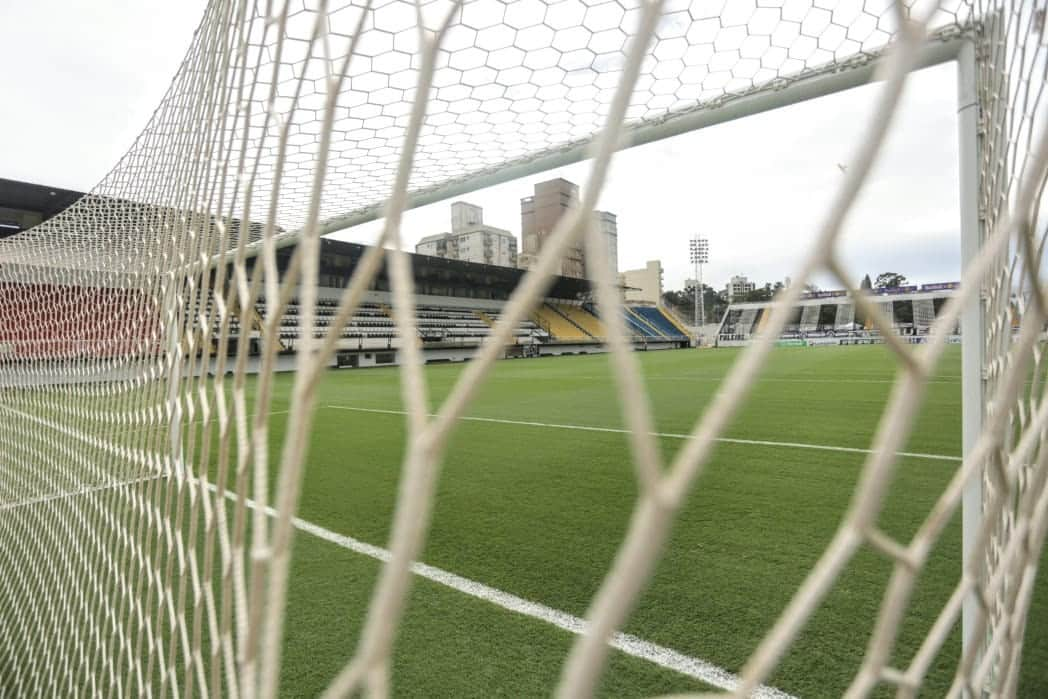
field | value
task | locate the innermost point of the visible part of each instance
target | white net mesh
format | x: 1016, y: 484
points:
x: 136, y: 553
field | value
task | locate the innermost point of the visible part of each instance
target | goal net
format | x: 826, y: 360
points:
x: 143, y: 548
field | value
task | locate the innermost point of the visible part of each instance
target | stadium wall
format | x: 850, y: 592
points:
x: 837, y: 341
x: 379, y: 358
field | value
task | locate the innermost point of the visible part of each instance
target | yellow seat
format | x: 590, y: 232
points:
x: 584, y: 319
x: 557, y: 325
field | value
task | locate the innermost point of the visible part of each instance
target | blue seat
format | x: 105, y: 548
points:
x: 655, y: 316
x: 635, y: 326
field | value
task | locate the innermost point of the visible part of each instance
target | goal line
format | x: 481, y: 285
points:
x: 667, y: 435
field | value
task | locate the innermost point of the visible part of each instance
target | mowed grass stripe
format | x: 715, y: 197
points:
x: 631, y: 645
x: 668, y: 435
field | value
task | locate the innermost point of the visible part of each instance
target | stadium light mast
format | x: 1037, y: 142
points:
x: 700, y: 255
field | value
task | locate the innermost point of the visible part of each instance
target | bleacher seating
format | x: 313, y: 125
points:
x: 588, y: 322
x: 641, y: 327
x: 558, y: 325
x: 655, y: 317
x: 637, y: 320
x: 526, y: 329
x: 95, y: 322
x: 373, y: 325
x: 675, y: 320
x: 636, y: 326
x: 44, y: 321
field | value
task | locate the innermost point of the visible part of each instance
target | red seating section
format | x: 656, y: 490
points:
x: 46, y: 321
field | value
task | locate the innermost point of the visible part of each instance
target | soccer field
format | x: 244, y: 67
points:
x: 535, y: 496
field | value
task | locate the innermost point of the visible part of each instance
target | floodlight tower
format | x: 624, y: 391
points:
x: 700, y: 255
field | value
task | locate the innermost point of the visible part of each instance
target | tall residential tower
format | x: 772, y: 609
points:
x: 471, y: 239
x: 539, y: 215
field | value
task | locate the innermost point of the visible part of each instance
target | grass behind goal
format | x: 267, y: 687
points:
x: 537, y: 511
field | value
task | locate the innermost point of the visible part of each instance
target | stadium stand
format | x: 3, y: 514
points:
x: 832, y: 317
x: 649, y: 329
x: 657, y: 319
x: 809, y: 319
x: 583, y: 319
x: 558, y: 325
x: 637, y: 324
x: 46, y: 321
x: 672, y: 317
x: 527, y: 329
x: 456, y: 305
x: 644, y: 330
x: 373, y: 325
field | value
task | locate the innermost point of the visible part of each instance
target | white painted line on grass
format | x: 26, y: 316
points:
x: 720, y: 379
x: 138, y: 456
x: 669, y: 435
x: 630, y: 645
x: 51, y: 497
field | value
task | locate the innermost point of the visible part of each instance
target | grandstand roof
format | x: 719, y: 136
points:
x: 38, y: 199
x: 19, y: 197
x: 458, y: 277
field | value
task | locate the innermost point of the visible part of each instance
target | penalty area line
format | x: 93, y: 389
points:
x: 668, y: 435
x: 662, y: 656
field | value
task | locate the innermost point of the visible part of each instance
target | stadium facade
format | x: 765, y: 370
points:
x: 832, y: 317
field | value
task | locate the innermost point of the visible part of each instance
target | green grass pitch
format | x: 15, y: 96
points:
x: 539, y: 512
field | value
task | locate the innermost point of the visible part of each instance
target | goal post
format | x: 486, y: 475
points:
x: 973, y: 321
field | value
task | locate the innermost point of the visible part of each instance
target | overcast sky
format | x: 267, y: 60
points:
x: 83, y: 78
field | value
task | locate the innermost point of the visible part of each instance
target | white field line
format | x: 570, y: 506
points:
x: 720, y: 379
x: 138, y: 456
x: 94, y: 440
x: 669, y: 435
x: 81, y: 491
x: 160, y: 426
x: 630, y: 645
